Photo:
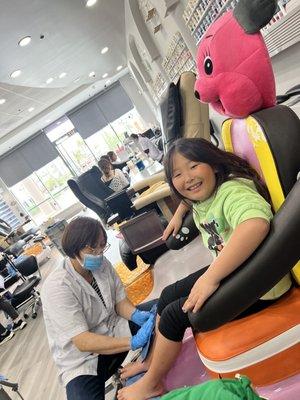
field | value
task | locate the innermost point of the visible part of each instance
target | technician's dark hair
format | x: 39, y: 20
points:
x: 82, y: 232
x: 227, y: 165
x: 134, y: 136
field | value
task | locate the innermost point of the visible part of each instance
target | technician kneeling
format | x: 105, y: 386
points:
x: 86, y: 313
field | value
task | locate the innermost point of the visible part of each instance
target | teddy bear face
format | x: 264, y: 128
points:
x: 234, y: 70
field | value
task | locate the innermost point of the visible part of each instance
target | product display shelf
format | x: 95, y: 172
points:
x: 159, y: 85
x: 198, y: 18
x: 177, y: 57
x: 283, y: 31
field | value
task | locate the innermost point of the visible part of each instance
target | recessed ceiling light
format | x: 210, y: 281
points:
x: 49, y: 80
x: 105, y: 75
x: 76, y: 80
x: 104, y: 50
x: 30, y: 109
x: 92, y: 74
x: 62, y: 75
x: 24, y: 41
x: 2, y: 101
x: 16, y: 73
x: 90, y: 3
x: 119, y: 67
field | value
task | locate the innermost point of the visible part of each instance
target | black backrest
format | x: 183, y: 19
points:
x: 90, y: 201
x: 282, y: 130
x: 90, y: 181
x: 28, y: 266
x: 120, y: 203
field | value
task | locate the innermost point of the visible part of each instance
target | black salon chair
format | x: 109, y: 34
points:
x: 111, y: 207
x: 25, y: 294
x: 92, y: 192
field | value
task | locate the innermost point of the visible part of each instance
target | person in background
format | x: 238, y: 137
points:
x: 147, y: 146
x: 113, y: 178
x: 90, y: 323
x: 112, y: 156
x: 17, y: 322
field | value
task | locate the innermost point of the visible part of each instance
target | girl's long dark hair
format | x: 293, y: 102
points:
x: 227, y: 165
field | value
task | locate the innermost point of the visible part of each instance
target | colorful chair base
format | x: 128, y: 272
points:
x: 264, y: 346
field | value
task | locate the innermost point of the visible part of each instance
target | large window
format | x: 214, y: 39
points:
x: 45, y: 192
x: 112, y: 136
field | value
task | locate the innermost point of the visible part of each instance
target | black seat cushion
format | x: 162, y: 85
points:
x: 26, y: 287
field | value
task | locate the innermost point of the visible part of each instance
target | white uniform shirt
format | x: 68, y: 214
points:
x: 71, y: 306
x: 147, y: 144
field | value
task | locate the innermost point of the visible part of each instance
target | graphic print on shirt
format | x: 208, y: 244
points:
x: 215, y: 240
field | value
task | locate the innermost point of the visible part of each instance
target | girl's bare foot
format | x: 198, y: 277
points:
x: 133, y: 369
x: 140, y: 390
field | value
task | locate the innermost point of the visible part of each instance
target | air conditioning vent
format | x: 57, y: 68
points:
x: 284, y: 33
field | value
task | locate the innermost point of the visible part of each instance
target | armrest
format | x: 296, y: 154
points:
x: 273, y: 259
x: 147, y: 198
x: 147, y: 182
x: 187, y: 233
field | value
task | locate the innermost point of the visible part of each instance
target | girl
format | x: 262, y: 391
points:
x: 231, y: 210
x: 113, y: 178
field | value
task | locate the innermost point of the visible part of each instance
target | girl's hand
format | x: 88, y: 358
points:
x: 173, y: 226
x: 201, y: 291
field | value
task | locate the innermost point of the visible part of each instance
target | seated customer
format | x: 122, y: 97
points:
x: 113, y: 178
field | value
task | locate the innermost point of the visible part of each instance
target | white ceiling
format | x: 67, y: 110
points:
x: 66, y: 37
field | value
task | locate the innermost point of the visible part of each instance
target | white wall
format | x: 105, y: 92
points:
x: 138, y: 99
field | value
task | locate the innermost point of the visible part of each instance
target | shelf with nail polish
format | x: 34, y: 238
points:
x: 198, y: 15
x: 178, y: 58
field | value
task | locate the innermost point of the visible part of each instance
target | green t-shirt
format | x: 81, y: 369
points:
x: 234, y: 202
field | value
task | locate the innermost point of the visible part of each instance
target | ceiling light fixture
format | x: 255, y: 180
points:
x: 92, y: 74
x: 24, y: 41
x: 49, y: 80
x: 104, y: 50
x: 30, y: 109
x: 62, y: 75
x: 119, y: 67
x: 105, y: 75
x: 90, y: 3
x: 16, y: 73
x: 108, y: 82
x: 2, y: 101
x: 76, y: 80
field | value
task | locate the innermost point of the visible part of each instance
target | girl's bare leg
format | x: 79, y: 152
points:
x: 138, y: 366
x: 150, y: 385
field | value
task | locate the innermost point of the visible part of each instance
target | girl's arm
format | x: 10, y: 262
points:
x: 176, y: 221
x: 244, y: 240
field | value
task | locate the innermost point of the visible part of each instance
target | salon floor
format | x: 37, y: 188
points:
x: 26, y: 359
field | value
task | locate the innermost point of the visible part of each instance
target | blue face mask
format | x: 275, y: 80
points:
x: 91, y: 262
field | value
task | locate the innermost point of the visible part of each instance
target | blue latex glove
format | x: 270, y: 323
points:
x: 143, y: 334
x: 140, y: 317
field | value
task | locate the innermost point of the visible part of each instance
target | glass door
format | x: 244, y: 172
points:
x: 75, y: 152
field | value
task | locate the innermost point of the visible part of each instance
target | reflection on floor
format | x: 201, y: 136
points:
x: 26, y: 358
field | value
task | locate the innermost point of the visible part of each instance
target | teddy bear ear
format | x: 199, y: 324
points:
x: 253, y: 15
